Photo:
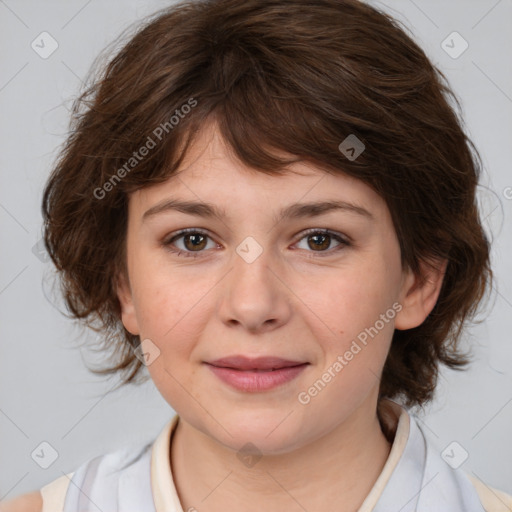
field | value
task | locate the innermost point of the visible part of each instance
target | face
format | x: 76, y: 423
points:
x: 310, y: 287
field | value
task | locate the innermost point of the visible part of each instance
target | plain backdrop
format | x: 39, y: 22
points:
x: 47, y: 394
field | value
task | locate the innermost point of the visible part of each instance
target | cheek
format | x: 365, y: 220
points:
x: 172, y: 305
x: 173, y: 316
x: 344, y: 312
x: 349, y: 300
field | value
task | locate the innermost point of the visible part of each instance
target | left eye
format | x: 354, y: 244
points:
x: 321, y: 239
x: 195, y: 241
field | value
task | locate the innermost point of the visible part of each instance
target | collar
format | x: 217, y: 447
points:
x: 414, y: 478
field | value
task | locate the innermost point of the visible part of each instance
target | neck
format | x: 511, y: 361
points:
x: 343, y: 465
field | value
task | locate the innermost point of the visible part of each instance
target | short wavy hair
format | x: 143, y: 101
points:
x: 289, y: 75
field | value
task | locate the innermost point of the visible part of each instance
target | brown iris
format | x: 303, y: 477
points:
x: 198, y: 241
x: 324, y: 241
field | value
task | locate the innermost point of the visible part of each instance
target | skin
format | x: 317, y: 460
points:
x: 30, y: 502
x: 302, y: 299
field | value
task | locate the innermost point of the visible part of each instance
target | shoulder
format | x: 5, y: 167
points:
x: 493, y: 500
x: 49, y: 498
x: 52, y: 496
x: 30, y: 502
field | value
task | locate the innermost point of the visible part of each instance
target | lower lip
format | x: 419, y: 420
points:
x: 256, y: 381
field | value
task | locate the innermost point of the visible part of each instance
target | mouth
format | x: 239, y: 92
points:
x: 257, y: 374
x: 257, y: 364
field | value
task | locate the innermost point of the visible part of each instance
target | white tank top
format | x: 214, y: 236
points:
x: 117, y: 481
x: 421, y: 481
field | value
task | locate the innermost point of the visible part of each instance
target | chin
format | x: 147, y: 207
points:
x: 260, y: 433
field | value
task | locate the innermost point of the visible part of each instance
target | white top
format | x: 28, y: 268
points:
x: 165, y: 496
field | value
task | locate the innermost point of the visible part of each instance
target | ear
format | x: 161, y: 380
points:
x: 419, y: 293
x: 124, y: 294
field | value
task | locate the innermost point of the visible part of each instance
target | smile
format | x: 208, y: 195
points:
x: 255, y: 380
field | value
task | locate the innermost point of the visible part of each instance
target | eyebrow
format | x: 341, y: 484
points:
x: 294, y: 211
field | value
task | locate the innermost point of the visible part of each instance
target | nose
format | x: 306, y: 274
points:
x: 255, y: 296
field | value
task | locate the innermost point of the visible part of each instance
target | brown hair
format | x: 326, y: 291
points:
x: 289, y: 75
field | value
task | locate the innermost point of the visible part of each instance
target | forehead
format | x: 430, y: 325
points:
x: 211, y: 172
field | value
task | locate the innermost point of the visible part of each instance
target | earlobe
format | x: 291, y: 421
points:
x: 419, y: 294
x: 128, y: 313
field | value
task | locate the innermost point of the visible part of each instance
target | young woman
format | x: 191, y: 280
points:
x: 270, y: 205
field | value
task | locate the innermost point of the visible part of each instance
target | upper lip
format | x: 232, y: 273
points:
x: 257, y: 363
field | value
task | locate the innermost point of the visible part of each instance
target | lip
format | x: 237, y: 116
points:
x: 240, y: 362
x: 256, y: 374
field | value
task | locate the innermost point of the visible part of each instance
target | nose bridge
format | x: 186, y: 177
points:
x: 252, y: 264
x: 254, y: 297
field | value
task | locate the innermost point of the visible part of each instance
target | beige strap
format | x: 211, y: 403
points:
x: 54, y: 494
x: 492, y: 499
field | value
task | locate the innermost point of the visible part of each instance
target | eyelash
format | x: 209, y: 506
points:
x: 167, y: 243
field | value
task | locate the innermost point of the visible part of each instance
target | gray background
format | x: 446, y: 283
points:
x: 47, y: 394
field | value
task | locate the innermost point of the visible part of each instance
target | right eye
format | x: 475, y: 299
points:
x: 193, y: 241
